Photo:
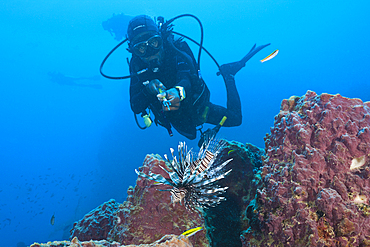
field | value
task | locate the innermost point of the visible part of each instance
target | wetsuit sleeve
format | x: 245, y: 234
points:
x: 183, y: 78
x: 139, y: 98
x: 185, y: 67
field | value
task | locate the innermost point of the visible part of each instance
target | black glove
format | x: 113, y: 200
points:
x: 155, y: 87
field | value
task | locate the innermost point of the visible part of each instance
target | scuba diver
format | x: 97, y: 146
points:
x: 62, y: 79
x: 116, y: 25
x: 165, y: 78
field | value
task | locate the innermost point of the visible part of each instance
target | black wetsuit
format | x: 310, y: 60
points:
x: 177, y: 69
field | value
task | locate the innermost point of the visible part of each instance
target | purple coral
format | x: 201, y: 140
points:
x: 316, y: 175
x: 96, y: 224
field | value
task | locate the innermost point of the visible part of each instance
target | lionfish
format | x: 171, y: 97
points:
x: 193, y: 177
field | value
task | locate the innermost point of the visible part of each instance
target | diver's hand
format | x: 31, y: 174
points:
x: 170, y: 99
x: 155, y: 87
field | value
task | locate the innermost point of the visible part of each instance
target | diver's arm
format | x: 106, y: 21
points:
x: 171, y: 98
x: 183, y: 85
x: 139, y: 97
x: 183, y: 77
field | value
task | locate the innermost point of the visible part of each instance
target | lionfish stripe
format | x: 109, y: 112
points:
x: 193, y: 165
x: 209, y: 181
x: 195, y: 178
x: 160, y: 179
x: 216, y: 170
x: 222, y: 165
x: 201, y: 167
x: 188, y: 173
x: 173, y: 166
x: 173, y: 175
x: 177, y: 195
x: 215, y: 192
x: 205, y: 161
x: 213, y: 146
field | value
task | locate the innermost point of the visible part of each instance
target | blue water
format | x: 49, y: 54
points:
x: 66, y: 149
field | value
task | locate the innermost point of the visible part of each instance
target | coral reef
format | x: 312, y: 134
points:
x: 146, y: 216
x: 225, y: 221
x: 97, y: 223
x: 165, y: 241
x: 309, y: 187
x: 316, y: 185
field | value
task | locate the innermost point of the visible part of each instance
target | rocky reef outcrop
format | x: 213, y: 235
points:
x: 96, y: 224
x: 316, y: 185
x: 225, y: 222
x: 165, y: 241
x: 310, y: 186
x: 147, y: 214
x: 145, y: 217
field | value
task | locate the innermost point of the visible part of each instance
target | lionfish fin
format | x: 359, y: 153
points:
x: 205, y: 162
x: 193, y: 175
x: 212, y: 180
x: 155, y: 177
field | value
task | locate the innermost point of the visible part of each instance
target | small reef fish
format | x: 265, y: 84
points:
x: 192, y: 231
x: 52, y: 220
x: 271, y: 56
x: 230, y: 151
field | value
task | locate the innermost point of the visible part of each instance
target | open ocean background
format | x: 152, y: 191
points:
x: 66, y: 149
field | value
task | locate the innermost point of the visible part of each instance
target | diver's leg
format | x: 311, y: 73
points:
x: 232, y: 112
x: 233, y: 102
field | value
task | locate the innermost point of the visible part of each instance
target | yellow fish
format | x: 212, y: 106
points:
x: 228, y: 153
x: 192, y: 231
x: 52, y: 220
x: 271, y: 56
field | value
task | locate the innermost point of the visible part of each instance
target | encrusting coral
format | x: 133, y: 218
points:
x: 146, y: 216
x: 165, y: 241
x: 309, y: 187
x: 313, y: 192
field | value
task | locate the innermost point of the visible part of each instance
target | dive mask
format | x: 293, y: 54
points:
x: 148, y: 47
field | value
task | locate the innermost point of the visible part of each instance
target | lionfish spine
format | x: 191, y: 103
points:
x: 210, y: 181
x: 217, y: 190
x: 201, y: 165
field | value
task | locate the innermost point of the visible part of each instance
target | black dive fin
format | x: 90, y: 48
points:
x: 233, y: 68
x: 252, y: 52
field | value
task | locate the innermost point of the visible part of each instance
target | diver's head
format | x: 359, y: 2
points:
x: 144, y: 39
